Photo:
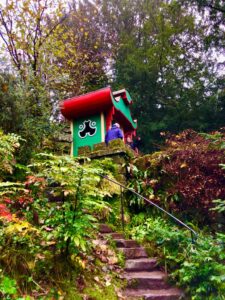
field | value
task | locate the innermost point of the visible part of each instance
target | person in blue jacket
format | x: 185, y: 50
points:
x: 113, y: 133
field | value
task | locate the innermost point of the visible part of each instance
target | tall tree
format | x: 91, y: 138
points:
x: 212, y: 16
x: 84, y: 53
x: 62, y: 48
x: 56, y: 51
x: 161, y: 58
x: 25, y: 27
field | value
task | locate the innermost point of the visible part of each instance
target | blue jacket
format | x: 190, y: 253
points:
x: 113, y: 133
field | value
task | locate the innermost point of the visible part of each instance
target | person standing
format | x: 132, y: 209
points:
x: 129, y: 142
x: 113, y: 133
x: 136, y: 144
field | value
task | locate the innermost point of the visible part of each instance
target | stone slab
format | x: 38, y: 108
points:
x: 140, y: 264
x: 113, y: 235
x: 137, y: 252
x: 126, y: 243
x: 162, y: 294
x: 146, y: 280
x: 104, y: 228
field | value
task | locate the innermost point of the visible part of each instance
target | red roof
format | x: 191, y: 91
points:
x: 87, y: 104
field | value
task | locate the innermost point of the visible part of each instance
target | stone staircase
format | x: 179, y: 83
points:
x: 143, y: 277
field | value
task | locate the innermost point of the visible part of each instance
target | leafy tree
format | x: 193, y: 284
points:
x: 19, y: 113
x: 83, y: 54
x: 212, y: 16
x: 25, y: 29
x: 57, y: 54
x: 56, y: 43
x: 160, y: 59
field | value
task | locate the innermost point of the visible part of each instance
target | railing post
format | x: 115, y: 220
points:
x: 192, y: 238
x: 122, y: 207
x: 193, y: 233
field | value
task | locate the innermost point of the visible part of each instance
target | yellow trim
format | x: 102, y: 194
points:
x: 102, y: 127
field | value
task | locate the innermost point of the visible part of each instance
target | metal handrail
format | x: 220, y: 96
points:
x: 193, y: 233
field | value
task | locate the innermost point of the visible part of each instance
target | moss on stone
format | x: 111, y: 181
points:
x: 117, y: 143
x: 97, y: 153
x: 121, y: 178
x: 153, y: 160
x: 119, y: 160
x: 85, y: 150
x: 100, y: 146
x: 143, y: 162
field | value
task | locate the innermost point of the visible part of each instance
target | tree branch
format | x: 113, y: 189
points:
x: 10, y: 43
x: 220, y: 9
x: 53, y: 29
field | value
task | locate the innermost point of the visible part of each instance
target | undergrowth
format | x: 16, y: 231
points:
x: 197, y: 267
x: 48, y: 226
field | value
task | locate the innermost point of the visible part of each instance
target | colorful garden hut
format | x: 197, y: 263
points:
x: 92, y: 114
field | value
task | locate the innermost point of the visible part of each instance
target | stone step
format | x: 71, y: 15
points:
x: 140, y: 264
x: 113, y: 235
x: 104, y: 228
x: 130, y: 253
x: 146, y: 280
x: 162, y: 294
x: 99, y: 242
x: 126, y: 243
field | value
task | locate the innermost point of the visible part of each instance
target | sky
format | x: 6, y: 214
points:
x: 219, y: 56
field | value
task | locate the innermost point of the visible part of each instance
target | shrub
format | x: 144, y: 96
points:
x: 8, y: 145
x: 199, y: 267
x: 52, y: 216
x: 186, y: 175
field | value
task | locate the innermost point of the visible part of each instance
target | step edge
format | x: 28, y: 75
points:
x: 146, y: 292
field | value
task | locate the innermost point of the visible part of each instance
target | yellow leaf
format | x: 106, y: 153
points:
x: 184, y: 165
x: 31, y: 264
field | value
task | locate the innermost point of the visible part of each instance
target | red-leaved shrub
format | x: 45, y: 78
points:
x: 188, y: 173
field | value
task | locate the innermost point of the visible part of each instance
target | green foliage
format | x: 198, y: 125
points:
x: 212, y: 19
x: 54, y: 215
x: 82, y: 53
x: 99, y: 293
x: 81, y: 194
x: 25, y: 110
x: 172, y: 87
x: 203, y: 270
x: 7, y: 287
x: 25, y: 31
x: 216, y: 139
x: 219, y: 205
x: 138, y: 182
x: 8, y: 145
x: 198, y: 267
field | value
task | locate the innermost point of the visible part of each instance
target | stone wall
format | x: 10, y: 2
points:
x: 120, y: 153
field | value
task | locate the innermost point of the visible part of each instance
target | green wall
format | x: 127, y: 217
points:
x: 88, y: 140
x: 124, y: 109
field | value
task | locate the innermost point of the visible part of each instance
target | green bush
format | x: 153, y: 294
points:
x: 198, y: 267
x: 8, y: 145
x: 54, y: 216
